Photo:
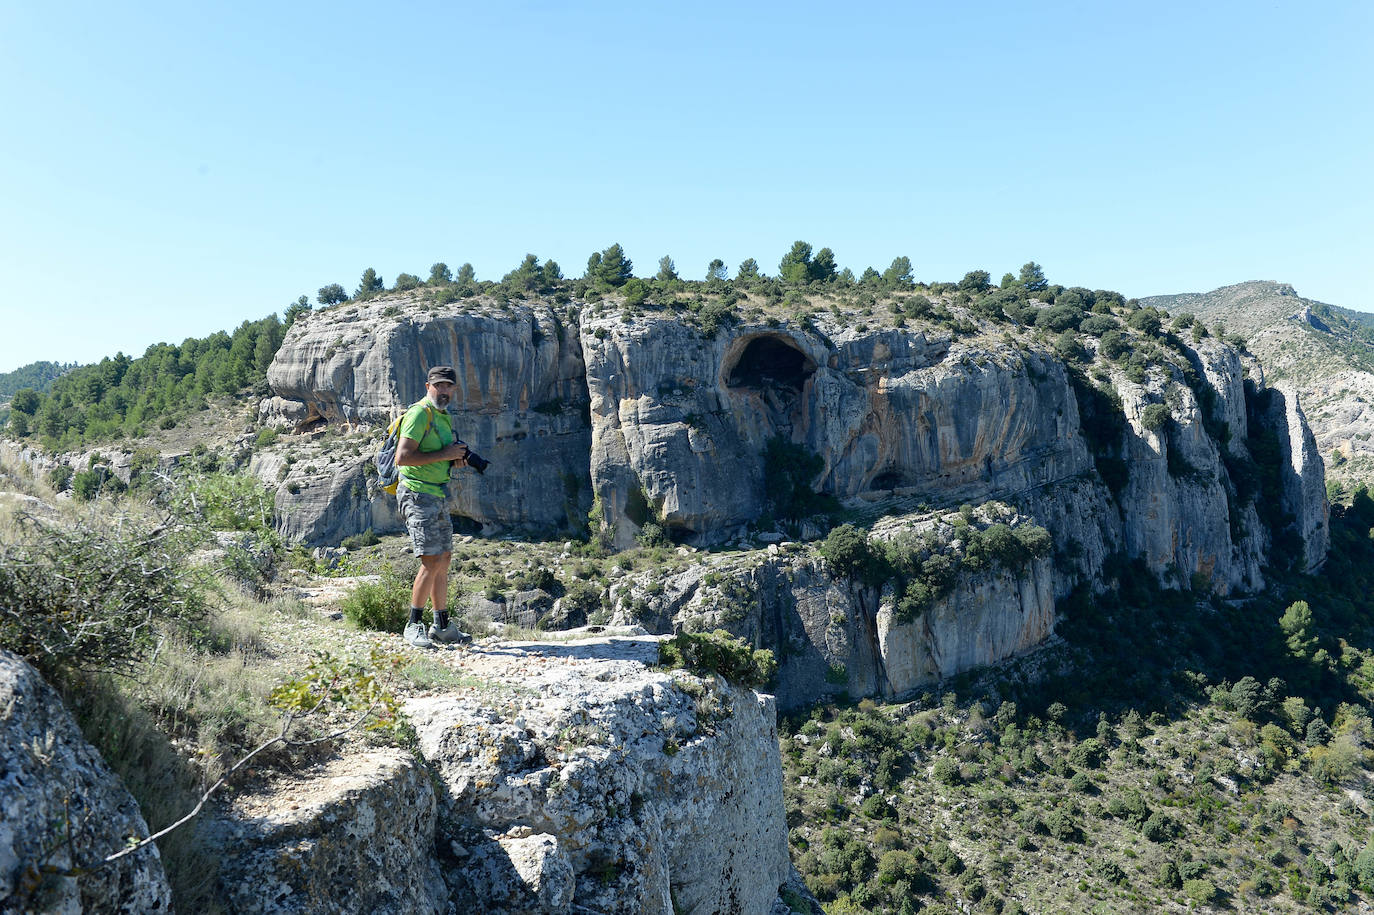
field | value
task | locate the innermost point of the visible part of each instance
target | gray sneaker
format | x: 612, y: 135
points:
x: 449, y: 635
x: 415, y: 635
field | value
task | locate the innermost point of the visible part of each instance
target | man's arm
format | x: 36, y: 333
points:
x: 408, y: 453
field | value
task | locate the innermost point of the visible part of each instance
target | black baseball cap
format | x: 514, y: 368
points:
x: 442, y: 373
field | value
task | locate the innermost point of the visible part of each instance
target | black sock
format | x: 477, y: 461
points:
x: 441, y: 619
x: 415, y: 614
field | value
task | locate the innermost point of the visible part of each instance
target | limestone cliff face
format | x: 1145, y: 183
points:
x: 1155, y: 462
x: 685, y: 420
x: 679, y: 425
x: 520, y: 402
x: 833, y: 635
x: 1303, y: 492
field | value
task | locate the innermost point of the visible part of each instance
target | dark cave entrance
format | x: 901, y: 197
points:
x: 463, y: 526
x: 771, y: 364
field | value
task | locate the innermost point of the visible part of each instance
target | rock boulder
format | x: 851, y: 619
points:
x: 62, y: 812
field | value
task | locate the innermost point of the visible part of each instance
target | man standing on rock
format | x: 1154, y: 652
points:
x: 425, y: 453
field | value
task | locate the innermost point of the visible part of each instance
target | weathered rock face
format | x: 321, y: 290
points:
x: 1318, y: 349
x: 664, y: 424
x: 835, y: 636
x: 601, y: 785
x: 355, y: 834
x: 680, y: 423
x: 61, y: 807
x: 328, y: 497
x: 685, y: 420
x: 520, y: 402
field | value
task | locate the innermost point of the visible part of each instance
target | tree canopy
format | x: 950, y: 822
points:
x: 125, y: 396
x: 610, y: 268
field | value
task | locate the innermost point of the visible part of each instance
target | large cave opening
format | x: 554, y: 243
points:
x: 771, y: 364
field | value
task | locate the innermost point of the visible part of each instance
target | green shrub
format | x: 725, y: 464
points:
x: 382, y: 605
x: 652, y: 534
x: 1364, y: 867
x: 1114, y: 345
x: 1059, y: 318
x: 945, y: 771
x: 898, y: 865
x: 358, y: 541
x: 1087, y: 754
x: 848, y: 551
x: 1155, y: 417
x: 1062, y: 825
x: 538, y: 578
x: 1160, y: 827
x: 1098, y: 325
x: 86, y: 484
x: 266, y: 436
x: 876, y: 807
x: 721, y: 653
x: 226, y: 501
x: 581, y: 597
x: 59, y: 477
x: 1203, y: 892
x: 1145, y: 320
x: 789, y: 470
x: 94, y: 600
x: 946, y: 858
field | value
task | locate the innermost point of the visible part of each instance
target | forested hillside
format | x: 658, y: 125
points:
x: 36, y: 375
x: 122, y: 396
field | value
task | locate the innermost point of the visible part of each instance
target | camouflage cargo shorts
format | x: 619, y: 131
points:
x: 427, y: 522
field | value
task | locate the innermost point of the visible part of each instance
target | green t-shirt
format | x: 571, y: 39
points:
x: 430, y: 426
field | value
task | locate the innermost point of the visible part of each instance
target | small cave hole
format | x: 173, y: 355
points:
x: 771, y: 363
x: 889, y: 479
x: 464, y: 526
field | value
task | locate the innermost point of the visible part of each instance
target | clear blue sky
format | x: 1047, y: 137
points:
x: 169, y: 169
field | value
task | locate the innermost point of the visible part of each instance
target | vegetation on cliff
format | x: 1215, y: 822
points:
x: 1170, y: 754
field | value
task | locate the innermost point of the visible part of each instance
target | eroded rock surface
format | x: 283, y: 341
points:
x: 354, y: 834
x: 61, y: 808
x: 833, y: 635
x: 1173, y: 463
x: 520, y: 401
x: 576, y: 778
x: 662, y: 423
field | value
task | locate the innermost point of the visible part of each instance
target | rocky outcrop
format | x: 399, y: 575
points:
x: 679, y: 427
x: 665, y: 424
x: 681, y: 422
x: 353, y: 834
x: 1322, y: 351
x: 558, y: 779
x: 62, y: 812
x: 520, y: 401
x: 836, y: 636
x: 578, y: 779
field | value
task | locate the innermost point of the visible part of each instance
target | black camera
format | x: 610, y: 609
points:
x: 477, y: 462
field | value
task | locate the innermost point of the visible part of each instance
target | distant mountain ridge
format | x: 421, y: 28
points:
x: 36, y: 375
x: 1324, y: 351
